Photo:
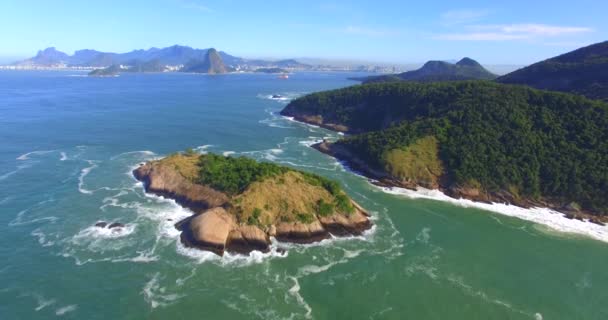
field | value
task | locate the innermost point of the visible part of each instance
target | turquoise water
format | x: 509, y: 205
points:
x: 68, y: 144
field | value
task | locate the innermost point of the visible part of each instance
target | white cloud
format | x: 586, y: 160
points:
x: 461, y: 16
x: 513, y: 32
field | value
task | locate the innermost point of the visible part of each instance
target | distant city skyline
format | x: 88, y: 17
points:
x: 518, y: 32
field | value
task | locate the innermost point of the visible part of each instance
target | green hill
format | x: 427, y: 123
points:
x: 503, y: 142
x: 583, y: 71
x: 465, y: 69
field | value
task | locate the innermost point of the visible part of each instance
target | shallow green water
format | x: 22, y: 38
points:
x: 423, y: 260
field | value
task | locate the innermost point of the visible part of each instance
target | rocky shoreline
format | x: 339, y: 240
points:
x: 213, y: 228
x: 382, y: 179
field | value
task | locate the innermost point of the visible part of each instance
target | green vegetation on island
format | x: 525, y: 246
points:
x: 286, y: 192
x: 501, y: 139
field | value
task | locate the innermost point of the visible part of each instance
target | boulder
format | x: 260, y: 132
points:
x: 116, y: 225
x: 101, y: 224
x: 208, y: 230
x: 247, y: 238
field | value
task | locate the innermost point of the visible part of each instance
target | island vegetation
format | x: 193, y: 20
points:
x: 475, y: 139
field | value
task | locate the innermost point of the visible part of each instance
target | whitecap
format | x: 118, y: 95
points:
x: 63, y: 310
x: 63, y: 157
x: 228, y: 153
x: 8, y: 174
x: 42, y: 238
x: 26, y: 156
x: 19, y: 219
x: 43, y: 302
x: 203, y: 149
x: 145, y: 153
x: 544, y: 216
x: 94, y: 232
x: 83, y: 173
x: 154, y: 294
x: 294, y: 291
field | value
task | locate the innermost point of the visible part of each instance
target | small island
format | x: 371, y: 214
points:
x: 271, y: 70
x: 238, y: 204
x: 110, y: 71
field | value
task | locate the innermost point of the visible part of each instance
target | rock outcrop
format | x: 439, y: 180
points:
x: 163, y: 180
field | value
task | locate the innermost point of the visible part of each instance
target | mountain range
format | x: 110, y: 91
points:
x: 171, y: 56
x: 465, y: 69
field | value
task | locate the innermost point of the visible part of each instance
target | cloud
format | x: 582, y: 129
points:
x: 369, y: 32
x: 461, y: 16
x: 512, y: 32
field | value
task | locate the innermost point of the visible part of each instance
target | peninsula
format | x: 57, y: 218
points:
x: 238, y: 204
x: 478, y: 140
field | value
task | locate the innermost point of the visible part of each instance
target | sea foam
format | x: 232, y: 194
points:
x: 544, y: 216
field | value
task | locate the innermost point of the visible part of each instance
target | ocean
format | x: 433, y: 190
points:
x: 68, y: 144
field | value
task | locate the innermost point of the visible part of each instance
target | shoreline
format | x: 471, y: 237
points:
x: 582, y: 224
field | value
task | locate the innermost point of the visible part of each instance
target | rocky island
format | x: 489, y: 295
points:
x: 238, y: 204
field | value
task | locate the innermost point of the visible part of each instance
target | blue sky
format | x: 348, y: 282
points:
x: 509, y: 32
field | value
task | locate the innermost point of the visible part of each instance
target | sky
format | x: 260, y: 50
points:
x: 506, y: 32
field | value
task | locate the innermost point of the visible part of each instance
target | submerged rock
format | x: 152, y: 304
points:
x: 116, y: 225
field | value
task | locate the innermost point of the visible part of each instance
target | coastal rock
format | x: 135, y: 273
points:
x: 101, y: 224
x: 116, y: 225
x: 343, y: 225
x: 209, y: 230
x: 301, y: 232
x: 247, y: 238
x: 166, y: 181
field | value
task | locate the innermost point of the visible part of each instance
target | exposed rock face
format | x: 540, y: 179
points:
x: 341, y: 225
x: 300, y: 232
x: 168, y: 182
x: 209, y: 230
x: 246, y: 238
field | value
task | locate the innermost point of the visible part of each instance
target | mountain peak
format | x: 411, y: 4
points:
x: 466, y: 61
x: 212, y: 64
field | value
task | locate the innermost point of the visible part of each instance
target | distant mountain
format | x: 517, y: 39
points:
x: 170, y: 56
x: 583, y: 71
x: 465, y: 69
x: 212, y: 64
x: 47, y: 57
